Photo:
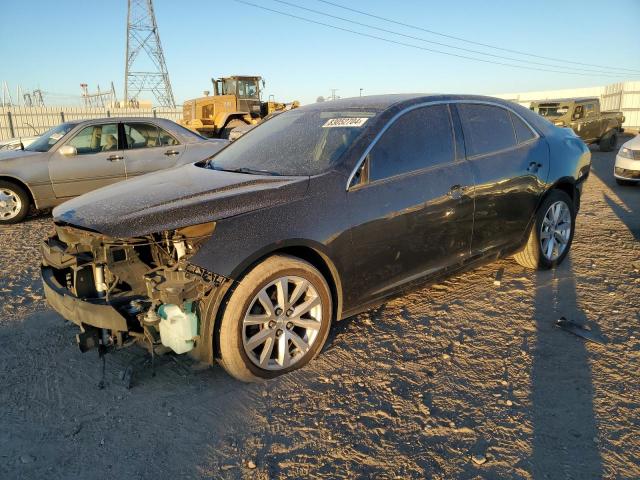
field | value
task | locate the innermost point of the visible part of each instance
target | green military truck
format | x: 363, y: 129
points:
x: 584, y: 117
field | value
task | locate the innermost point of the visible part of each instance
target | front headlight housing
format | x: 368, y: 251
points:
x: 627, y: 153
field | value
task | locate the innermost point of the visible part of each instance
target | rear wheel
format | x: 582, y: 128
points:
x: 608, y: 142
x: 14, y: 203
x: 235, y: 123
x: 276, y: 320
x: 551, y: 236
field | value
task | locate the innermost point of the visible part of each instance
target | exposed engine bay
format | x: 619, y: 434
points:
x: 123, y: 291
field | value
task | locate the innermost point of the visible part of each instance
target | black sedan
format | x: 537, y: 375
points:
x: 314, y: 216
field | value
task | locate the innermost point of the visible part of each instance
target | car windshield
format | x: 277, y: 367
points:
x: 297, y: 142
x: 50, y: 138
x: 552, y: 110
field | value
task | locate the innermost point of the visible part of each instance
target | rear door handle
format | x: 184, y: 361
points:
x: 169, y: 153
x: 455, y: 192
x: 534, y: 166
x: 115, y: 158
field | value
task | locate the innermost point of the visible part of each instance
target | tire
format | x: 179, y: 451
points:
x: 226, y: 131
x: 608, y: 142
x: 624, y: 183
x: 245, y: 321
x: 14, y: 203
x: 533, y: 256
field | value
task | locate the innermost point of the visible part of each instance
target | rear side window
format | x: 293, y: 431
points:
x: 486, y: 128
x: 146, y: 135
x: 419, y: 139
x: 523, y: 132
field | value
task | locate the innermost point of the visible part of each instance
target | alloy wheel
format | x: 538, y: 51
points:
x: 10, y: 204
x: 282, y: 323
x: 555, y: 231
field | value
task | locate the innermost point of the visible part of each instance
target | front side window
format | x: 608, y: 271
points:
x: 590, y: 109
x: 578, y: 112
x: 95, y: 139
x: 228, y: 86
x: 146, y: 135
x: 420, y: 138
x: 487, y: 128
x: 247, y: 89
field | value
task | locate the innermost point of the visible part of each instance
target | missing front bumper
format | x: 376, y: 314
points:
x: 93, y: 312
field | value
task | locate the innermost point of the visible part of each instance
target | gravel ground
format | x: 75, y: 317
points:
x: 465, y: 379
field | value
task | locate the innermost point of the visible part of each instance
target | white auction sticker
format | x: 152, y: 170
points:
x: 344, y: 122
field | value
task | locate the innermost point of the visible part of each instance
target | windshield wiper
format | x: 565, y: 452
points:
x: 251, y: 171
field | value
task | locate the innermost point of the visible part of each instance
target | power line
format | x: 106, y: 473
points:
x: 383, y: 39
x: 519, y: 52
x: 502, y: 57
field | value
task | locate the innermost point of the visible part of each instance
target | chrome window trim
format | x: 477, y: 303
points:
x: 438, y: 102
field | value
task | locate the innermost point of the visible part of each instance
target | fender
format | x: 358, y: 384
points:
x: 26, y: 186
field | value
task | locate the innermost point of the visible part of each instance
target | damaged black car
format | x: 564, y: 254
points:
x: 320, y: 213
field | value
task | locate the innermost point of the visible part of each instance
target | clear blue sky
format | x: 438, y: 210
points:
x: 56, y: 45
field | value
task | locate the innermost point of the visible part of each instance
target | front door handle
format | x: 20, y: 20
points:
x: 115, y: 158
x: 455, y: 192
x: 169, y: 153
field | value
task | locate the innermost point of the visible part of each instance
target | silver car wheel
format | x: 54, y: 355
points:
x: 10, y: 204
x: 555, y: 231
x: 282, y: 323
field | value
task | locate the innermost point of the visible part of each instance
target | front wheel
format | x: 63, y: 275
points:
x: 608, y: 142
x: 276, y: 320
x: 552, y: 234
x: 14, y: 203
x: 229, y: 127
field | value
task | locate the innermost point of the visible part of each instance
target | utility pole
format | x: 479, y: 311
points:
x: 333, y: 93
x: 361, y: 91
x: 152, y: 76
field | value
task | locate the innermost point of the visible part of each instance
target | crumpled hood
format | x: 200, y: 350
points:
x: 176, y: 198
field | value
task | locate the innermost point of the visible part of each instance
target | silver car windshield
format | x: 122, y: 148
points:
x: 50, y: 138
x: 297, y: 142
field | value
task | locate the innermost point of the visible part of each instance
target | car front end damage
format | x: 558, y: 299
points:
x: 135, y: 290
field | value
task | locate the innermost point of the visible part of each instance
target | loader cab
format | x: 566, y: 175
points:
x: 245, y: 89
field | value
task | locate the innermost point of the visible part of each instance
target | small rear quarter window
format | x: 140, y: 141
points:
x: 523, y: 132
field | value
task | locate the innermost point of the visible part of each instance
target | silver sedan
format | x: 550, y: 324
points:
x: 77, y: 157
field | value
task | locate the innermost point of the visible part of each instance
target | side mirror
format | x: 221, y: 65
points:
x: 68, y: 151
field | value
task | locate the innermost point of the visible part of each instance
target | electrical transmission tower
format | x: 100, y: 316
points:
x: 149, y: 73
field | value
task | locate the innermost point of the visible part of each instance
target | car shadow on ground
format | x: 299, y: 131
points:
x: 564, y: 424
x: 624, y: 200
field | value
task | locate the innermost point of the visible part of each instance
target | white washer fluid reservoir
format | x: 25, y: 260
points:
x: 178, y: 326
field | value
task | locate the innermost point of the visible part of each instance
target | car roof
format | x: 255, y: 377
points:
x: 383, y: 102
x: 164, y: 121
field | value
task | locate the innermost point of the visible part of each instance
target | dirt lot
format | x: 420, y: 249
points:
x: 413, y: 389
